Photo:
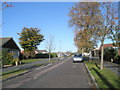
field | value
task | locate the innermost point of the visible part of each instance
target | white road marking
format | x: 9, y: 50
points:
x: 73, y: 66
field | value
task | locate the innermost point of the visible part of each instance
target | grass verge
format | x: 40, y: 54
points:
x: 29, y: 61
x: 6, y: 75
x: 52, y: 61
x: 104, y: 78
x: 15, y: 72
x: 9, y: 74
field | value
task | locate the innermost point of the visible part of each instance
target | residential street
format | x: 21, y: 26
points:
x: 64, y: 74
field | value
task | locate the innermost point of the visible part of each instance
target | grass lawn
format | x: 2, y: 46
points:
x: 104, y: 78
x: 0, y: 62
x: 14, y: 72
x: 29, y: 61
x: 11, y: 73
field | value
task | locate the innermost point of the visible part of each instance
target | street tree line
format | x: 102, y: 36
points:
x: 94, y: 22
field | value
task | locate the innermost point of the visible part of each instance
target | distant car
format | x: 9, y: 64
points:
x: 77, y: 58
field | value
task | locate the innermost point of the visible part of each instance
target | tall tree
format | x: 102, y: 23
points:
x: 83, y: 17
x: 50, y: 45
x: 115, y: 33
x: 6, y: 4
x: 107, y: 22
x: 94, y: 20
x: 30, y: 38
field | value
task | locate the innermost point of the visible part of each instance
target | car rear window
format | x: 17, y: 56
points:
x: 77, y: 55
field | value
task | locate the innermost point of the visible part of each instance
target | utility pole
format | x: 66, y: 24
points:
x: 60, y: 48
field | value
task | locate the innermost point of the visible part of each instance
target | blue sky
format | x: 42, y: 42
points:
x: 51, y: 17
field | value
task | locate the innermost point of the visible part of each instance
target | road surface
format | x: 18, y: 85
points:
x: 65, y: 74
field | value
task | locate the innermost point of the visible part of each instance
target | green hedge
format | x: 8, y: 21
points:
x: 40, y: 55
x: 111, y: 53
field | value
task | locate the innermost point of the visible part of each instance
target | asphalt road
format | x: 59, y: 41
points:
x: 64, y: 74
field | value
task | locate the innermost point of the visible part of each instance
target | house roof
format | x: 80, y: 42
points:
x: 37, y: 51
x: 4, y: 40
x: 107, y: 45
x: 8, y: 42
x: 96, y: 48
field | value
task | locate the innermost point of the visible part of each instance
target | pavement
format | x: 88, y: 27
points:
x: 110, y: 65
x: 113, y: 67
x: 64, y: 74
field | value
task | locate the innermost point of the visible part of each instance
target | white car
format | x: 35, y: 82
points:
x: 78, y: 58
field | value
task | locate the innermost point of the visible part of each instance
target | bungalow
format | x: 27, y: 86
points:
x: 95, y: 51
x: 107, y: 46
x: 9, y: 44
x: 36, y: 52
x: 41, y: 51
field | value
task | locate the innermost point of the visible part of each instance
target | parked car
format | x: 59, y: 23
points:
x: 77, y: 58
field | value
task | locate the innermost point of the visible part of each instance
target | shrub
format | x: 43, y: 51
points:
x: 109, y: 53
x: 53, y: 55
x: 117, y: 59
x: 7, y: 57
x: 40, y: 55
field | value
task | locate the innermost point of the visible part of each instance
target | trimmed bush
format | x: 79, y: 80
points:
x: 7, y: 57
x: 53, y: 55
x: 40, y: 55
x: 109, y: 53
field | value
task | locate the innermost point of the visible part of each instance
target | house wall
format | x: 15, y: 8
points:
x: 17, y: 53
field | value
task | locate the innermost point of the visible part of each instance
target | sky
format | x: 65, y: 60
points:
x: 50, y: 17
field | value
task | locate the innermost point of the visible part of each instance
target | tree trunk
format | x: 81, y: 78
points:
x: 90, y: 56
x: 119, y: 51
x: 102, y: 52
x: 49, y: 56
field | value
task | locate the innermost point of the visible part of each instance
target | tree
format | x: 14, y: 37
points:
x: 107, y: 22
x: 50, y: 45
x: 30, y: 38
x: 83, y: 17
x: 84, y: 42
x: 115, y: 34
x: 6, y: 4
x: 94, y: 21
